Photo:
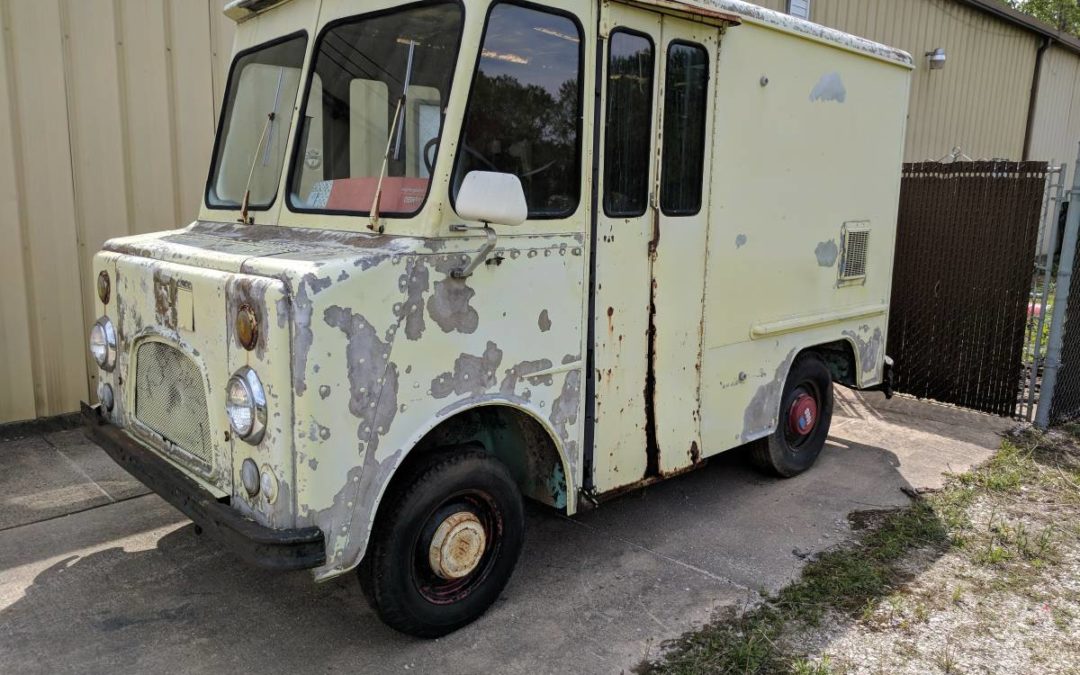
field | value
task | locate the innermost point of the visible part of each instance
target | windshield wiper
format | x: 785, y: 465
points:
x: 395, y: 132
x: 270, y: 116
x: 251, y: 174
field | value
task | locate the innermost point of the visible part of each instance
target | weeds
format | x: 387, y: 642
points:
x: 853, y: 581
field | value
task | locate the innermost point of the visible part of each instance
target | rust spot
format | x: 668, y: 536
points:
x: 695, y: 452
x: 165, y: 299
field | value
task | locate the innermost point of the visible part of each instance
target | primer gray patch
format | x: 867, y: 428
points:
x: 283, y: 312
x: 764, y: 407
x: 829, y: 88
x: 414, y: 283
x: 449, y: 306
x: 564, y: 411
x: 303, y: 336
x: 371, y: 260
x: 544, y: 321
x: 827, y: 252
x: 373, y: 379
x: 525, y: 370
x: 869, y: 350
x: 740, y: 241
x: 317, y: 432
x: 473, y: 375
x: 318, y: 284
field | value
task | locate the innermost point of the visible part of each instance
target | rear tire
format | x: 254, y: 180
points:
x: 804, y: 418
x: 445, y: 542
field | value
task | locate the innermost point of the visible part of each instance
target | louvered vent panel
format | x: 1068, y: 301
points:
x: 856, y: 246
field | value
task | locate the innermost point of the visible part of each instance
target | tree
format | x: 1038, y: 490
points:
x: 1061, y: 14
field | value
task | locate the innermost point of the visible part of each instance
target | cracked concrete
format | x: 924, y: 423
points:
x: 121, y: 584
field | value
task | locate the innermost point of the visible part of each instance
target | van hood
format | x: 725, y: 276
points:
x: 268, y: 250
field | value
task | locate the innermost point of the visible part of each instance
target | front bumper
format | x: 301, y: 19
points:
x: 297, y: 549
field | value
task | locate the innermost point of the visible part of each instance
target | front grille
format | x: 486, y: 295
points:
x: 170, y: 398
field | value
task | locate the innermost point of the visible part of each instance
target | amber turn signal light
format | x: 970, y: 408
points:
x: 247, y: 327
x: 104, y: 287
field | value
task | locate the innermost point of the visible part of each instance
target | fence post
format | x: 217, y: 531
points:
x: 1061, y: 303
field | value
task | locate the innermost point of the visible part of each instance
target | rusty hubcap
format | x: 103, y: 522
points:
x: 458, y: 546
x: 802, y: 416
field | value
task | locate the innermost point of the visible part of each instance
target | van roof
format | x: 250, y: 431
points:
x: 736, y: 11
x: 727, y: 11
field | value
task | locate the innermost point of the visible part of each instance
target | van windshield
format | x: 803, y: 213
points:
x: 373, y: 116
x: 255, y: 121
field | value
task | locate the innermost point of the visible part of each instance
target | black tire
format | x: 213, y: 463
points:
x: 396, y: 574
x: 795, y: 445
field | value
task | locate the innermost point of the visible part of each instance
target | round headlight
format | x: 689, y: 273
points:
x: 103, y: 343
x: 245, y: 404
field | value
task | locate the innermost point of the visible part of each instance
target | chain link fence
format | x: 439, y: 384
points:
x: 966, y: 246
x: 1060, y: 401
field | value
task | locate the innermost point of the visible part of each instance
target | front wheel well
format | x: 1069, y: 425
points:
x: 839, y: 358
x: 517, y: 439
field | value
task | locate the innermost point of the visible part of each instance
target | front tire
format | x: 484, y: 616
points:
x: 803, y: 426
x: 445, y: 543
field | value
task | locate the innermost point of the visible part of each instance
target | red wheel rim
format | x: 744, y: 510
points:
x: 802, y: 415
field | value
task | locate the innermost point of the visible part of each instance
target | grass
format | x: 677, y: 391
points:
x: 847, y: 580
x: 865, y: 581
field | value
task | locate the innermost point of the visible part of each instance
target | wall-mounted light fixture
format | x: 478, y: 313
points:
x: 936, y: 58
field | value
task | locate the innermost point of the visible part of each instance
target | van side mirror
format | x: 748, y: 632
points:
x: 492, y: 198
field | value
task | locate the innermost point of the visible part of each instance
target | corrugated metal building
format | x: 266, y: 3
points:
x: 109, y: 110
x: 107, y: 117
x: 980, y: 101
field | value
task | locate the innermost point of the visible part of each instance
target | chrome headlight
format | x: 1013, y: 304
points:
x: 245, y: 404
x: 103, y: 343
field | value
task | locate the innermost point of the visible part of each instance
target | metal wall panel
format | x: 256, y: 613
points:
x: 1056, y: 130
x: 106, y: 126
x: 979, y: 101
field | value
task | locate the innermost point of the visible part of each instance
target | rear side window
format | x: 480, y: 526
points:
x: 628, y: 130
x: 685, y: 107
x: 524, y: 110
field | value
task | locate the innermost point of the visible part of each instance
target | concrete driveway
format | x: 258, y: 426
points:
x: 98, y: 576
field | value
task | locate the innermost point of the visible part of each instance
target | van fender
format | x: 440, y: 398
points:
x: 369, y: 499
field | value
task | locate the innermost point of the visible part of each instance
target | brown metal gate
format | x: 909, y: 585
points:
x: 965, y: 248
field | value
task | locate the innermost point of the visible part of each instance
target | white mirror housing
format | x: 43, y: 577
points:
x: 491, y: 197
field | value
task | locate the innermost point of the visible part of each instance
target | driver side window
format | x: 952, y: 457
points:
x: 525, y: 108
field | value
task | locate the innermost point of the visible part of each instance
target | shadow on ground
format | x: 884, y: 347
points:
x: 128, y: 587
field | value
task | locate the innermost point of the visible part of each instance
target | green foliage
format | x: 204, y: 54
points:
x: 1061, y: 14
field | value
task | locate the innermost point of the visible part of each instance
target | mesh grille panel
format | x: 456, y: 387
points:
x: 170, y: 398
x: 855, y: 249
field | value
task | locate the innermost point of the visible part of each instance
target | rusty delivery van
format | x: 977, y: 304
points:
x: 452, y: 254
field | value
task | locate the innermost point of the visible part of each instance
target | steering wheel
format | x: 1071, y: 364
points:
x: 429, y: 155
x: 475, y: 153
x: 491, y: 165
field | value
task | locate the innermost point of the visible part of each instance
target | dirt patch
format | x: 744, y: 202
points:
x: 982, y: 576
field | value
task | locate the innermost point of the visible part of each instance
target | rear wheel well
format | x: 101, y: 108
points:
x: 514, y: 437
x: 839, y: 358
